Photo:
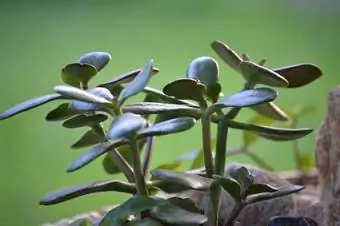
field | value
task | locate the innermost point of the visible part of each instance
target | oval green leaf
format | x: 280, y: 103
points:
x: 138, y: 84
x: 172, y: 214
x: 259, y: 188
x: 84, y: 120
x: 243, y: 176
x: 230, y: 185
x: 65, y: 194
x: 271, y: 195
x: 61, y: 112
x: 94, y: 153
x: 28, y: 105
x: 88, y: 139
x: 126, y: 78
x: 256, y: 74
x: 300, y: 74
x: 271, y: 133
x: 97, y: 59
x: 78, y: 74
x: 170, y: 181
x: 228, y: 55
x: 187, y: 89
x: 126, y: 126
x: 205, y: 69
x: 157, y: 108
x: 244, y: 98
x: 135, y: 204
x: 270, y: 110
x: 167, y: 99
x: 91, y: 96
x: 168, y: 127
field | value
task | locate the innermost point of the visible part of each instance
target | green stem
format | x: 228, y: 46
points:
x: 148, y: 154
x: 206, y: 139
x: 221, y: 147
x: 220, y: 158
x: 137, y: 168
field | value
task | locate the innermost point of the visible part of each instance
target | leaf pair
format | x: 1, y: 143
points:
x: 79, y: 74
x: 291, y: 77
x: 240, y: 185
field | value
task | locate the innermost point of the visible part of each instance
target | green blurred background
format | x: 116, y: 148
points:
x: 39, y: 37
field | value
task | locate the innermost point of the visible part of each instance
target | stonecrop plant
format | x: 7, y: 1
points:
x: 126, y: 144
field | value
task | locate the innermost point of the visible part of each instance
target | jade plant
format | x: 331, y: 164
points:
x: 126, y: 143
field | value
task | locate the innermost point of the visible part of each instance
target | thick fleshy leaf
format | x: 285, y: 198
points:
x: 214, y: 92
x: 231, y: 186
x: 157, y: 108
x: 167, y: 99
x: 172, y: 214
x: 126, y: 126
x: 291, y: 221
x: 81, y: 95
x: 242, y: 176
x: 168, y: 127
x: 271, y: 133
x: 88, y: 139
x: 271, y: 195
x: 97, y: 59
x: 145, y: 222
x: 270, y: 110
x: 300, y: 74
x: 65, y: 194
x: 82, y: 222
x: 227, y: 54
x: 29, y: 104
x: 94, y: 153
x: 249, y: 138
x: 205, y: 69
x: 244, y: 98
x: 187, y: 89
x: 256, y: 74
x: 84, y: 120
x: 61, y: 112
x: 172, y: 182
x: 138, y: 84
x: 135, y: 204
x: 259, y: 188
x: 78, y: 74
x: 126, y: 78
x: 102, y: 93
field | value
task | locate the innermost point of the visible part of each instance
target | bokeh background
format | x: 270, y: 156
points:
x: 38, y: 38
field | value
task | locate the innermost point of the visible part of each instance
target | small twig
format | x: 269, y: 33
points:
x: 137, y: 168
x: 148, y: 154
x: 206, y: 139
